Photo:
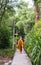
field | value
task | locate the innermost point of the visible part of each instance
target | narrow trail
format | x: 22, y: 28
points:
x: 21, y: 58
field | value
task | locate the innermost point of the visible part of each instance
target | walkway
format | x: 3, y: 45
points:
x: 21, y: 58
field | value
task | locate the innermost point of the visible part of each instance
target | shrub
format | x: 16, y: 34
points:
x: 4, y: 38
x: 7, y: 52
x: 33, y: 46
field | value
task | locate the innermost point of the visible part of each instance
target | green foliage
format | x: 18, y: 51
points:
x: 33, y: 46
x: 6, y: 30
x: 6, y: 21
x: 24, y: 21
x: 25, y: 18
x: 7, y: 53
x: 4, y: 38
x: 37, y: 1
x: 20, y: 28
x: 38, y: 25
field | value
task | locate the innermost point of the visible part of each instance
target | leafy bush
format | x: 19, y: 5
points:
x: 33, y: 46
x: 4, y: 37
x: 7, y: 52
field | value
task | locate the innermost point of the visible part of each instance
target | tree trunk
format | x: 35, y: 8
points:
x: 13, y: 33
x: 36, y: 12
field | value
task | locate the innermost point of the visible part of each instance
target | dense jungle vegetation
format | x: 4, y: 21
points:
x: 17, y: 17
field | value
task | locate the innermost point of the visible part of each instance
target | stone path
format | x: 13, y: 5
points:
x: 21, y: 58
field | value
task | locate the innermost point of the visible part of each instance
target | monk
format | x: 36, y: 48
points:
x: 20, y: 44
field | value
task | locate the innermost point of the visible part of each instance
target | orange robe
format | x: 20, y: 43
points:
x: 20, y: 45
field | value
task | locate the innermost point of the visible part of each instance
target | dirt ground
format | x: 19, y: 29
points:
x: 4, y: 60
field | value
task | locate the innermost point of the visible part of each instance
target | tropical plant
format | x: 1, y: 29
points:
x: 33, y: 46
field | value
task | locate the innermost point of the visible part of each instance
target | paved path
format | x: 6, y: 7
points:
x: 21, y: 58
